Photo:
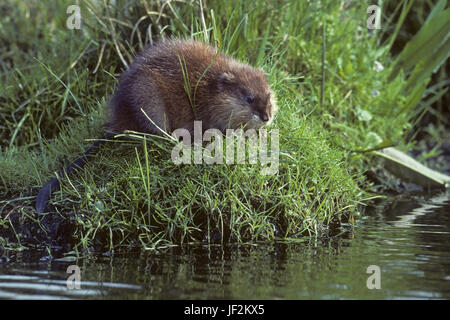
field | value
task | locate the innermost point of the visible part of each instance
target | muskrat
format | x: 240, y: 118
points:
x: 174, y: 83
x: 178, y: 81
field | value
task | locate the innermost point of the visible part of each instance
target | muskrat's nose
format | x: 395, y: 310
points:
x: 264, y: 117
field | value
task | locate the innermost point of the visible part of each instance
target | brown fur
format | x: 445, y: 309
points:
x: 229, y: 95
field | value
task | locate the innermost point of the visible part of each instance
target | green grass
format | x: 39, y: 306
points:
x: 55, y: 83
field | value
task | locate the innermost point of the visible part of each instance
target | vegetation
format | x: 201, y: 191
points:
x: 337, y: 86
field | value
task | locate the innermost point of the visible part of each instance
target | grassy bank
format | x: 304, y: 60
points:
x: 322, y: 62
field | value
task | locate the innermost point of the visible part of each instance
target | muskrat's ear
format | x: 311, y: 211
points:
x: 224, y: 79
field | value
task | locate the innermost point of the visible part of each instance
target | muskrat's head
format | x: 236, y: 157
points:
x: 245, y: 99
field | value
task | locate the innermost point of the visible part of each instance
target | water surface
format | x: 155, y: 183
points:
x: 407, y: 238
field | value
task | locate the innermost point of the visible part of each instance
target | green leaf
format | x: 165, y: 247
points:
x: 440, y: 6
x: 384, y: 144
x: 428, y: 66
x: 415, y: 97
x: 410, y: 170
x: 432, y: 36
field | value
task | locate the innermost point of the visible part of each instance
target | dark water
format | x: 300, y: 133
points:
x: 407, y: 238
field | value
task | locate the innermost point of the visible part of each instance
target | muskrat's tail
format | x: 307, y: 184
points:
x: 44, y: 194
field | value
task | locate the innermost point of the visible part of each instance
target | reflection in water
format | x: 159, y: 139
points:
x: 409, y: 239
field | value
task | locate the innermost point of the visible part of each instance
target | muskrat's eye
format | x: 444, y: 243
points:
x: 250, y: 99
